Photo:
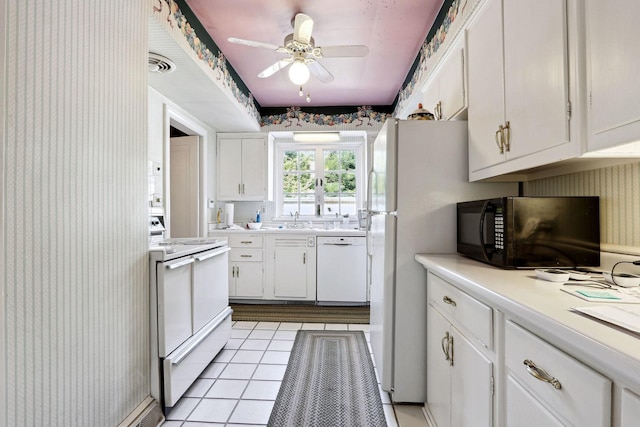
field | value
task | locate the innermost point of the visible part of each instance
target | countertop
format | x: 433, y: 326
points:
x: 544, y: 309
x: 300, y: 230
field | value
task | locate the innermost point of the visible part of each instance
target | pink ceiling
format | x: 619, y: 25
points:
x: 393, y: 30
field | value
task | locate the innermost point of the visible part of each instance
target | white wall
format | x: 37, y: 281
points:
x: 619, y: 191
x: 73, y: 263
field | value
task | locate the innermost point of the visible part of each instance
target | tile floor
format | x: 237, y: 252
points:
x: 240, y: 386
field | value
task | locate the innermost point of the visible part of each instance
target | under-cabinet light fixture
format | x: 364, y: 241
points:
x: 316, y: 136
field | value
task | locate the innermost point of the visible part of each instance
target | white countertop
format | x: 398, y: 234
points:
x: 544, y: 309
x: 274, y: 230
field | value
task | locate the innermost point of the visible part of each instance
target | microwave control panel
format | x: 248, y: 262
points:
x: 499, y: 229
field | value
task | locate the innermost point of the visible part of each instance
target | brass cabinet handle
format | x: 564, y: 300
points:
x: 448, y: 300
x: 507, y: 136
x: 239, y: 188
x: 246, y: 256
x: 445, y: 345
x: 541, y: 374
x: 242, y: 188
x: 246, y: 242
x: 500, y: 139
x: 304, y: 258
x: 437, y: 111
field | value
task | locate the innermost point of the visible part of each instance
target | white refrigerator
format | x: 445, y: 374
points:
x: 419, y: 171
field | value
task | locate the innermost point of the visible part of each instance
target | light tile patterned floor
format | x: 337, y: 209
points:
x: 240, y: 386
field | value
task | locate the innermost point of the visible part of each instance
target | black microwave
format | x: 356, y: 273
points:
x: 531, y: 232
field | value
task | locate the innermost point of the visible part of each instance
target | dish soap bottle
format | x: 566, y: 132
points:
x: 258, y: 218
x: 219, y: 216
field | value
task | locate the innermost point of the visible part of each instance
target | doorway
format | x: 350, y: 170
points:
x: 185, y: 169
x: 184, y: 185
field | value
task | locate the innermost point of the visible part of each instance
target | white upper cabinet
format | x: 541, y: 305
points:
x: 613, y: 68
x: 445, y: 94
x: 242, y: 168
x: 519, y: 110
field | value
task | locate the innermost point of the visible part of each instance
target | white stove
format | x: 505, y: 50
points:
x: 190, y: 313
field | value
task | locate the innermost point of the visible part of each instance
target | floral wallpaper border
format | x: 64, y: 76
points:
x: 295, y: 117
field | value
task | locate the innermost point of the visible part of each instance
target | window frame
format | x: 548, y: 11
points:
x: 282, y: 147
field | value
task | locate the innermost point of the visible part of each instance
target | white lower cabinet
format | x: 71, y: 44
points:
x: 546, y: 386
x: 291, y: 268
x: 630, y: 409
x: 246, y: 269
x: 460, y: 377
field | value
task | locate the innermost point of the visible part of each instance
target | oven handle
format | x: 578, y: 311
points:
x: 483, y: 214
x: 175, y: 360
x: 208, y: 255
x: 179, y: 264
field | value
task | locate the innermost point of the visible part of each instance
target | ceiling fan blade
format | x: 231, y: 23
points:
x: 271, y: 70
x: 344, y: 51
x: 320, y: 72
x: 302, y: 28
x: 253, y: 43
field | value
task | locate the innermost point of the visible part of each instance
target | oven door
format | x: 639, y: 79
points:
x: 210, y: 285
x: 174, y: 303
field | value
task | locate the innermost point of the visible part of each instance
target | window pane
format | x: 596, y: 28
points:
x: 331, y: 160
x: 290, y: 183
x: 340, y: 182
x: 348, y: 183
x: 348, y: 160
x: 306, y: 160
x: 290, y: 162
x: 307, y: 183
x: 331, y: 182
x: 307, y: 205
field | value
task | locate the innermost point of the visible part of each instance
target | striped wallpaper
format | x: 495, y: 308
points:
x: 74, y: 233
x: 619, y: 191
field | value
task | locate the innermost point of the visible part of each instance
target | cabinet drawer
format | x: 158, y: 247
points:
x: 246, y: 255
x: 462, y: 309
x: 581, y: 396
x: 245, y: 241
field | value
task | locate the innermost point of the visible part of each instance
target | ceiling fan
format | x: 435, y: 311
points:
x: 303, y: 53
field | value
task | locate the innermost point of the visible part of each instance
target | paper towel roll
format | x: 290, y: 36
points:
x: 228, y: 214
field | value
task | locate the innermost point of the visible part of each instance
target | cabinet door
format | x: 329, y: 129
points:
x: 249, y: 279
x: 452, y: 84
x: 630, y: 412
x: 290, y: 272
x: 613, y: 67
x: 486, y: 87
x: 253, y: 169
x: 438, y: 368
x: 536, y: 74
x: 229, y: 169
x: 471, y: 385
x: 523, y: 410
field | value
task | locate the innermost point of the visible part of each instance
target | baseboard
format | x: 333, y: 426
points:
x: 147, y: 414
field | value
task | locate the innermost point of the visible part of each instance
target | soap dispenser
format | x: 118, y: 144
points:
x: 258, y: 218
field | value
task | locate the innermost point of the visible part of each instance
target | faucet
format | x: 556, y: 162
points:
x: 295, y: 218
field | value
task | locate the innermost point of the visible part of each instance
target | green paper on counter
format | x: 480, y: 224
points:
x: 598, y: 294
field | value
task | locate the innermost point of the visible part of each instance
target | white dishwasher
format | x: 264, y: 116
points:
x: 341, y: 270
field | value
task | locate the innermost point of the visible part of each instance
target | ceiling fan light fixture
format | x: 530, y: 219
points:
x: 299, y: 73
x: 316, y: 136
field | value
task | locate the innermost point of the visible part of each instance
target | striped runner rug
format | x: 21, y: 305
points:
x: 329, y: 381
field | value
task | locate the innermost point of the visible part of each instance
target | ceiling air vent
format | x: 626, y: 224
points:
x: 160, y: 64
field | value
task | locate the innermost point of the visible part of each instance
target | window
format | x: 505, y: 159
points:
x: 319, y: 180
